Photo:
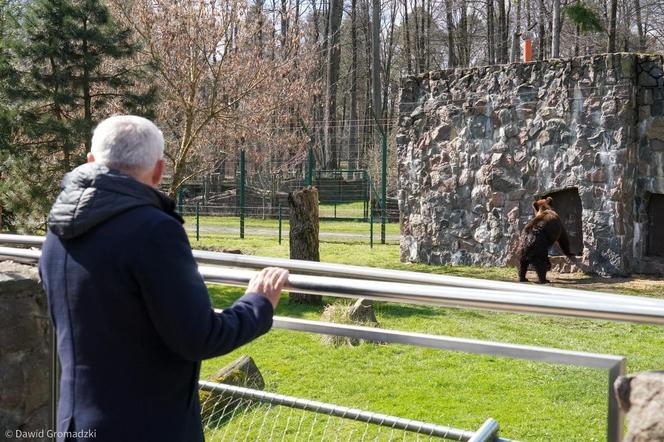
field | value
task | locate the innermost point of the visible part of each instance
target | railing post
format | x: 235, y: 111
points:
x: 198, y: 221
x: 486, y: 433
x: 616, y: 417
x: 242, y: 182
x: 279, y: 224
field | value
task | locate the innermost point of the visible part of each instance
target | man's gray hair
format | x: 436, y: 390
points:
x: 127, y: 143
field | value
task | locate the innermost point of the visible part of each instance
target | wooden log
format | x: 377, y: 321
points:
x: 303, y: 238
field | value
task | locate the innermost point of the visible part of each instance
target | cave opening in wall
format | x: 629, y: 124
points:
x: 656, y: 225
x: 567, y: 203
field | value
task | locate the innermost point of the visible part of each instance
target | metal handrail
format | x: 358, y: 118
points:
x: 578, y: 304
x: 376, y: 274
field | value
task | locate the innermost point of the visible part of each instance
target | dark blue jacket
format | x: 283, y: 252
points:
x: 132, y: 313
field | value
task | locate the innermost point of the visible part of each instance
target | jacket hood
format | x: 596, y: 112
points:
x: 92, y: 194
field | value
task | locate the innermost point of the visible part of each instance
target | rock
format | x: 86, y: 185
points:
x: 360, y: 313
x: 243, y: 372
x: 25, y: 349
x: 642, y: 397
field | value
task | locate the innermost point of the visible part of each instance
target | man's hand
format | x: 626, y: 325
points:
x: 269, y: 282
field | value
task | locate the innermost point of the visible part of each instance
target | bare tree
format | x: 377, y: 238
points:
x: 217, y: 85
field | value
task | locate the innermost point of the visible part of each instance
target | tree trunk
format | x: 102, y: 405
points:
x: 353, y: 144
x: 639, y: 26
x: 333, y: 60
x: 387, y: 67
x: 375, y: 63
x: 542, y: 31
x: 407, y: 37
x: 502, y: 33
x: 303, y: 234
x: 516, y: 37
x: 451, y: 59
x: 491, y: 42
x: 555, y: 37
x: 464, y: 44
x: 613, y: 12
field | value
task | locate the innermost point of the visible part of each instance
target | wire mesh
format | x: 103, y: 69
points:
x: 252, y: 415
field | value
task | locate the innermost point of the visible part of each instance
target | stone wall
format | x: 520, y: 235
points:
x: 476, y: 146
x: 650, y: 166
x: 25, y: 359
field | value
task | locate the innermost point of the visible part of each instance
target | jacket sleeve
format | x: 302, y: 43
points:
x: 178, y: 302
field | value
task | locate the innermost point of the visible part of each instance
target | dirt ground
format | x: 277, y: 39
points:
x: 642, y: 285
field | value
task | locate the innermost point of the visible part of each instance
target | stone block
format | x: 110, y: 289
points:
x: 641, y: 396
x: 656, y: 129
x: 24, y: 348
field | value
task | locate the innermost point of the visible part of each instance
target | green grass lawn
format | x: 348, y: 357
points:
x: 531, y: 401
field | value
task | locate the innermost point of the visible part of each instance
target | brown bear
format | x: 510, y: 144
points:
x: 537, y: 237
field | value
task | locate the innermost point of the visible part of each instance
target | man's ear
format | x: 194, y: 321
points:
x: 91, y: 158
x: 157, y: 173
x: 549, y: 200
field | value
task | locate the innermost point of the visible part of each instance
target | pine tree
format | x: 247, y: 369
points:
x: 76, y: 68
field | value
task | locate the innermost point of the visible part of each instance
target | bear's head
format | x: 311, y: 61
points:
x: 543, y: 204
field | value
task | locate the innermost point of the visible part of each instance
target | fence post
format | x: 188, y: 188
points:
x: 309, y: 178
x: 198, y: 221
x: 370, y: 227
x: 180, y: 201
x: 242, y: 182
x: 279, y: 224
x: 384, y: 187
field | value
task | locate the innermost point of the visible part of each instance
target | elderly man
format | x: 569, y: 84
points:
x: 132, y: 314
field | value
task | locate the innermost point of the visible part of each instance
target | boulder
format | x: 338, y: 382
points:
x: 642, y: 397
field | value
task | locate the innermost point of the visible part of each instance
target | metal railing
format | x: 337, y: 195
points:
x: 486, y: 433
x: 438, y: 290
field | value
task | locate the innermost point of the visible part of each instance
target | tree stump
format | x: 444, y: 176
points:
x: 303, y: 237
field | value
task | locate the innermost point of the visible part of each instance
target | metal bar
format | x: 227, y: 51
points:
x: 342, y: 412
x: 23, y: 254
x: 280, y: 218
x: 514, y: 351
x: 28, y: 240
x: 584, y: 304
x: 486, y: 433
x: 308, y: 180
x: 616, y: 417
x: 575, y: 306
x: 401, y: 276
x: 371, y: 229
x: 198, y: 222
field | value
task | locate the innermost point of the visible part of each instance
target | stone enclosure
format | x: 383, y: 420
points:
x: 476, y: 146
